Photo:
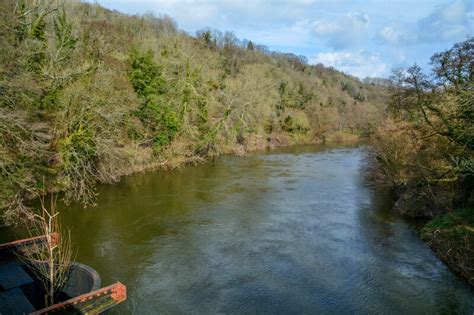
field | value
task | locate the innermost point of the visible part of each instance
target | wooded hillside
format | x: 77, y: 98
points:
x: 89, y: 94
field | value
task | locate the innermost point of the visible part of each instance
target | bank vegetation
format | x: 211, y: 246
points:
x: 425, y: 152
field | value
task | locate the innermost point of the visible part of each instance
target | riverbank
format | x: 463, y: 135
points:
x: 425, y: 151
x: 134, y: 159
x: 451, y: 236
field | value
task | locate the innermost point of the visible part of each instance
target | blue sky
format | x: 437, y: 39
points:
x: 362, y: 38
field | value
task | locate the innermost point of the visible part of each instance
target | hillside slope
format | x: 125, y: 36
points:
x: 89, y: 95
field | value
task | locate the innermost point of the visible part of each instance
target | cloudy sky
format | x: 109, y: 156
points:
x: 360, y: 37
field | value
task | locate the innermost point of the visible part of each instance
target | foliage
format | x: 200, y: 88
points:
x: 452, y: 237
x: 425, y: 149
x: 145, y: 75
x: 449, y: 220
x: 89, y: 94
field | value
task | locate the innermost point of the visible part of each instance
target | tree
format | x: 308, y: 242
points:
x: 206, y: 36
x: 444, y: 102
x: 250, y: 45
x: 434, y: 116
x: 454, y: 68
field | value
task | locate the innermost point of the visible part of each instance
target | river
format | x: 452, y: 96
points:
x: 297, y: 230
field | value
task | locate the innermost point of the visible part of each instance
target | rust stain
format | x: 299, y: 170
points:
x: 119, y: 293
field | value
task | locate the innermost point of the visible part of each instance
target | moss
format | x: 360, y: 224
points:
x: 450, y: 220
x: 451, y: 236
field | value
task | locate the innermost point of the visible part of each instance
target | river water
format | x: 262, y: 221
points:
x: 290, y: 231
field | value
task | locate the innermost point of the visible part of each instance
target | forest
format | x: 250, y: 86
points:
x: 89, y: 95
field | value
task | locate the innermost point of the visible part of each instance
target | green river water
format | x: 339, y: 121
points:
x: 291, y: 231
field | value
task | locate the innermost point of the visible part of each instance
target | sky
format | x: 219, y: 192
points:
x: 364, y: 38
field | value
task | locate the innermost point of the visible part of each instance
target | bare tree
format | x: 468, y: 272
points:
x: 49, y: 260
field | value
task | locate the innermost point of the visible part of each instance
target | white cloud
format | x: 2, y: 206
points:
x: 449, y: 22
x: 360, y: 64
x: 392, y: 35
x: 344, y: 31
x: 446, y: 23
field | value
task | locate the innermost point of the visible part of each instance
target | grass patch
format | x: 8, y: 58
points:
x: 451, y: 236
